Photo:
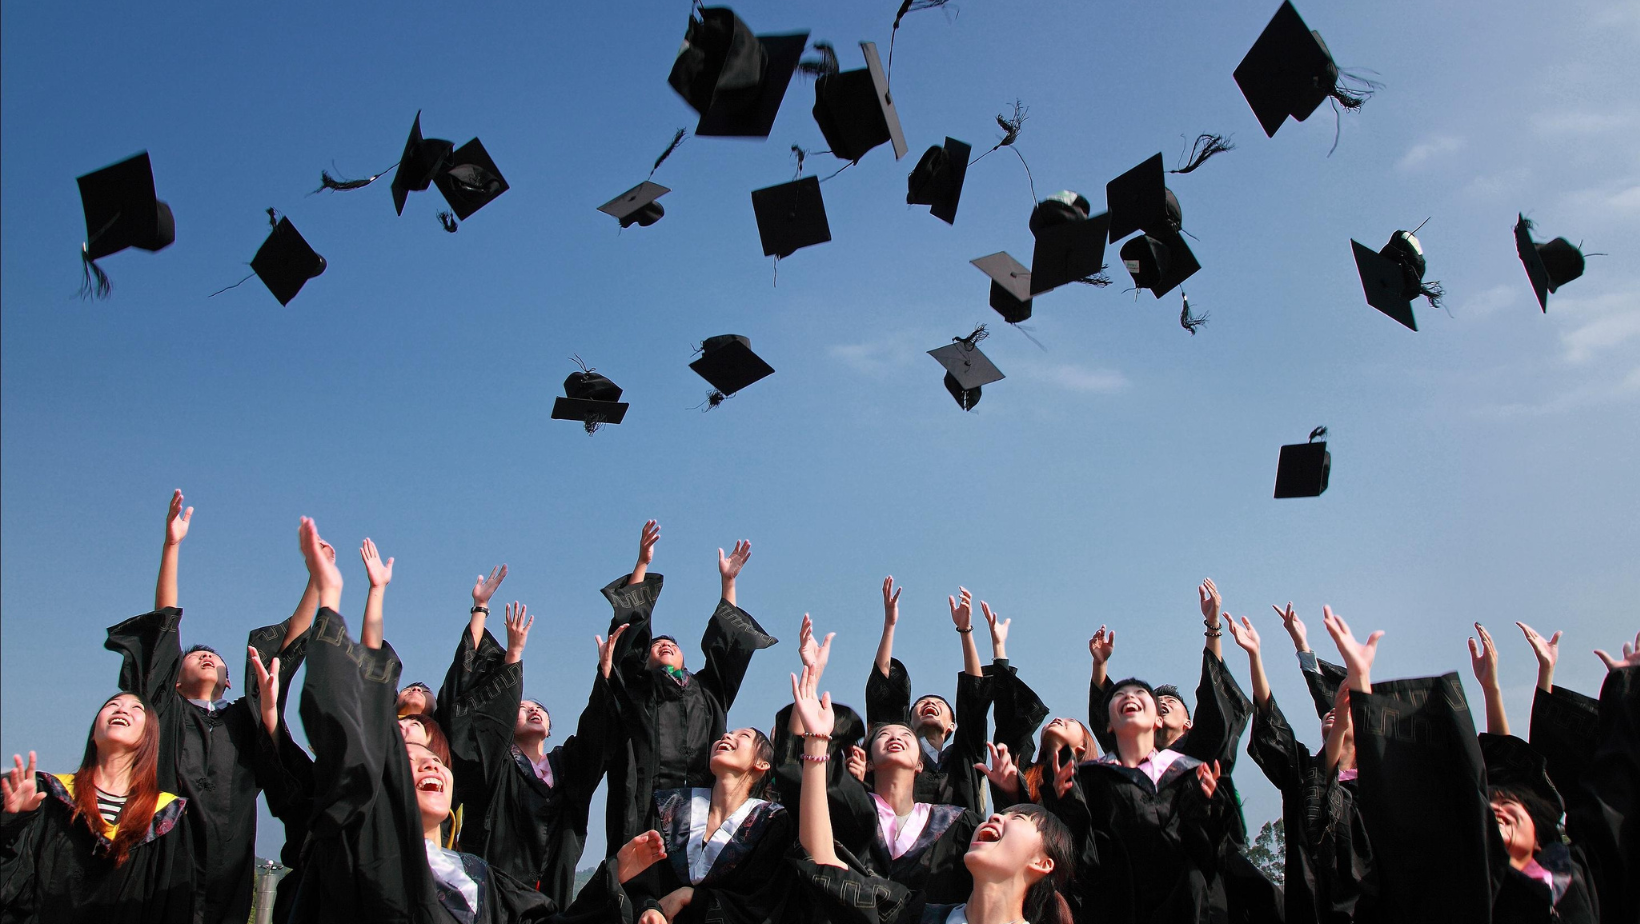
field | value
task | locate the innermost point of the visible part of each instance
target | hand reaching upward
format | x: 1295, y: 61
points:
x: 891, y: 601
x: 1102, y: 645
x: 1547, y: 652
x: 962, y: 614
x: 1002, y: 772
x: 1294, y: 626
x: 606, y: 650
x: 176, y: 520
x: 518, y: 631
x: 267, y: 691
x: 1245, y: 635
x: 999, y: 631
x: 18, y: 789
x: 379, y: 572
x: 729, y: 566
x: 1631, y: 656
x: 1484, y: 659
x: 1211, y: 602
x: 1358, y: 656
x: 485, y: 587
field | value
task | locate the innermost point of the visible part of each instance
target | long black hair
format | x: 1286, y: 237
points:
x: 1043, y: 903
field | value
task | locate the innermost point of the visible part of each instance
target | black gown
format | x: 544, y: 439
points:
x: 669, y: 723
x: 1329, y: 859
x: 1569, y: 896
x: 365, y: 858
x: 844, y: 895
x: 952, y: 779
x: 54, y: 869
x: 217, y: 760
x: 749, y: 882
x: 1601, y: 807
x: 1018, y: 713
x: 510, y: 817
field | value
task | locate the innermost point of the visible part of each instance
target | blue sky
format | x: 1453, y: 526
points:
x: 1481, y: 467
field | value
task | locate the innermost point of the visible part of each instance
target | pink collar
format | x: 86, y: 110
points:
x: 899, y: 843
x: 1537, y: 872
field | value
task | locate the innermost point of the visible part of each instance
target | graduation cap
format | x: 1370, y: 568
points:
x: 1139, y: 200
x: 591, y: 398
x: 1070, y: 242
x: 937, y: 179
x: 1010, y: 286
x: 855, y: 111
x: 285, y: 262
x: 1549, y: 266
x: 790, y: 216
x: 1514, y: 765
x: 469, y: 179
x: 734, y: 79
x: 966, y: 368
x: 121, y: 210
x: 1289, y: 72
x: 420, y: 163
x: 728, y: 364
x: 1303, y: 467
x: 1394, y: 276
x: 1159, y: 262
x: 637, y: 206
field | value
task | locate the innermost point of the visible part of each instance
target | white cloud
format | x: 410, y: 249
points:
x: 1429, y: 148
x: 1497, y: 184
x: 1624, y: 389
x: 1073, y: 377
x: 874, y: 357
x: 1490, y: 301
x: 1620, y: 198
x: 1581, y: 122
x: 1607, y: 331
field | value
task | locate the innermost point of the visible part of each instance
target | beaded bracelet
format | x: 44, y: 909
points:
x: 817, y: 737
x: 816, y: 758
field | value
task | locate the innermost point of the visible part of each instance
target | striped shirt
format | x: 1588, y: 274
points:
x: 109, y: 806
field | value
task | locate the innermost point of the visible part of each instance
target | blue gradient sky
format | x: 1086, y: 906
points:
x: 1481, y: 468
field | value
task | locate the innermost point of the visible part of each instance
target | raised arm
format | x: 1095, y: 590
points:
x: 999, y: 632
x: 1211, y: 604
x: 1484, y: 658
x: 483, y: 589
x: 1100, y: 648
x: 962, y: 616
x: 729, y: 568
x: 814, y: 815
x: 267, y: 685
x: 1358, y: 656
x: 1247, y: 638
x: 646, y: 551
x: 380, y: 574
x: 306, y: 607
x: 518, y: 631
x: 891, y: 616
x: 1332, y: 751
x: 176, y: 529
x: 1547, y: 652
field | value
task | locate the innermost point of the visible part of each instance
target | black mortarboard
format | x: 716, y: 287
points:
x: 1289, y: 72
x: 469, y: 179
x: 734, y: 79
x: 418, y: 165
x: 121, y: 210
x: 1303, y: 467
x: 637, y: 206
x: 790, y: 216
x: 285, y: 262
x: 855, y: 111
x: 1070, y: 242
x: 591, y: 399
x: 1010, y: 286
x: 1159, y: 262
x: 728, y: 363
x: 937, y: 179
x: 966, y: 368
x: 1549, y: 265
x: 1139, y: 200
x: 1394, y: 276
x: 1514, y: 765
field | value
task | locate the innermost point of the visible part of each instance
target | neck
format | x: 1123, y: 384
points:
x: 1519, y: 860
x: 533, y: 746
x: 430, y: 829
x: 113, y: 772
x: 1166, y: 737
x: 996, y: 902
x: 935, y: 737
x: 897, y: 786
x: 729, y: 792
x: 198, y: 691
x: 1132, y: 748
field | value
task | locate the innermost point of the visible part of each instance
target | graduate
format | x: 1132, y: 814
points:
x: 1019, y: 766
x: 524, y: 807
x: 373, y: 851
x: 1017, y: 860
x: 951, y: 741
x: 212, y: 752
x: 672, y: 718
x: 102, y: 845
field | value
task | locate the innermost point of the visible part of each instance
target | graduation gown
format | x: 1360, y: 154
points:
x: 1329, y: 859
x: 1145, y: 852
x: 669, y: 723
x: 1018, y: 713
x: 55, y: 870
x: 1601, y: 807
x: 844, y: 895
x: 532, y: 831
x: 365, y: 859
x: 951, y: 779
x: 748, y: 882
x: 218, y: 760
x: 1568, y: 898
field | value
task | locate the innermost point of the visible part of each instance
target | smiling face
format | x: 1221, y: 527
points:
x: 120, y: 723
x: 740, y: 751
x: 414, y: 700
x: 1175, y: 718
x: 665, y: 653
x: 932, y: 716
x: 894, y: 746
x: 1004, y: 845
x: 1518, y: 830
x: 1132, y: 709
x: 202, y: 675
x: 433, y: 782
x: 414, y: 732
x: 1065, y: 733
x: 533, y: 721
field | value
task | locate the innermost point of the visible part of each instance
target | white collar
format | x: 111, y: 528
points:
x: 702, y: 851
x: 959, y: 915
x: 450, y: 873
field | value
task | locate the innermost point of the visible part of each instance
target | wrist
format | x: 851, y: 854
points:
x: 813, y: 746
x: 965, y: 630
x: 478, y: 607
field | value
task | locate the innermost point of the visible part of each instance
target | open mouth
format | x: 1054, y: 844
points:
x: 988, y: 833
x: 1132, y: 707
x: 430, y: 784
x: 722, y: 746
x: 120, y: 720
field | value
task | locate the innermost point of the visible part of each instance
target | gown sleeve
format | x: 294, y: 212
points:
x: 587, y: 751
x: 1323, y: 684
x: 841, y: 895
x: 269, y: 642
x: 1601, y: 811
x: 1097, y: 720
x: 1019, y: 713
x: 1222, y: 711
x: 481, y: 719
x: 1275, y: 748
x: 888, y: 698
x: 964, y: 782
x: 150, y: 653
x: 1564, y: 729
x: 633, y: 606
x: 732, y: 637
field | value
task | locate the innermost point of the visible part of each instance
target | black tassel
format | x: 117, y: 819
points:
x: 273, y: 217
x: 1318, y: 433
x: 801, y: 156
x: 1098, y: 280
x: 713, y: 399
x: 1186, y: 320
x: 1206, y: 146
x: 1352, y: 90
x: 677, y: 139
x: 823, y: 66
x: 448, y: 220
x: 234, y: 286
x: 972, y: 340
x: 93, y: 281
x: 326, y: 181
x: 1434, y: 292
x: 912, y: 6
x: 1011, y: 127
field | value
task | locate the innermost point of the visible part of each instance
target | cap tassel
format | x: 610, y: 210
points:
x: 971, y: 342
x: 909, y: 6
x: 677, y: 139
x: 1319, y: 433
x: 1352, y: 92
x: 93, y: 281
x: 234, y: 286
x: 1098, y: 280
x: 1434, y: 292
x: 326, y: 181
x: 713, y: 399
x: 448, y: 220
x: 1206, y: 146
x: 823, y: 66
x: 273, y: 217
x: 1011, y: 127
x: 1186, y: 320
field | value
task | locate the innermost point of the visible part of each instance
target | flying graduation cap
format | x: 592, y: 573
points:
x: 121, y: 210
x: 590, y: 398
x: 469, y: 180
x: 1139, y: 200
x: 1393, y: 277
x: 285, y: 262
x: 734, y: 79
x: 1070, y: 242
x: 966, y: 368
x: 418, y: 165
x: 1010, y: 286
x: 1302, y: 468
x: 1289, y: 72
x: 637, y: 206
x: 466, y: 176
x: 1549, y: 266
x: 790, y: 216
x: 937, y: 179
x: 728, y: 364
x: 855, y: 111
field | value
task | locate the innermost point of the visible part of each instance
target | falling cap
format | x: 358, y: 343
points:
x: 937, y: 179
x: 592, y: 399
x: 1549, y: 265
x: 1302, y: 468
x: 1159, y: 262
x: 855, y: 111
x: 1010, y: 286
x: 734, y: 79
x: 421, y: 161
x: 966, y: 368
x: 121, y: 209
x: 1394, y: 276
x: 728, y: 363
x: 1070, y: 243
x: 1289, y: 72
x: 285, y: 262
x: 637, y: 206
x: 1139, y: 200
x: 790, y: 216
x: 470, y: 180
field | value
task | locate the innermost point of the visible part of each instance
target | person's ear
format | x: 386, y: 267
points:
x: 760, y: 765
x: 1042, y: 864
x: 1187, y: 724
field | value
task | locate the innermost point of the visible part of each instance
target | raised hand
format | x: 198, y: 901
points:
x: 1102, y: 645
x: 1208, y: 777
x: 1484, y: 658
x: 1358, y: 656
x: 646, y: 542
x: 380, y: 572
x: 322, y: 571
x: 1245, y: 635
x: 729, y: 566
x: 1063, y: 776
x: 1631, y: 655
x: 857, y: 762
x: 267, y: 690
x: 1294, y: 626
x: 1002, y: 772
x: 606, y: 650
x: 484, y: 587
x: 962, y: 614
x: 891, y: 601
x: 17, y: 786
x: 1211, y: 603
x: 639, y: 854
x: 999, y: 630
x: 813, y: 709
x: 1548, y: 652
x: 176, y: 520
x: 813, y: 654
x: 518, y: 630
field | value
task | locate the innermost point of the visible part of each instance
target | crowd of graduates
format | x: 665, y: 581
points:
x: 447, y: 805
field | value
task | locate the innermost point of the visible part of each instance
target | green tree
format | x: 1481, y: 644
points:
x: 1269, y: 850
